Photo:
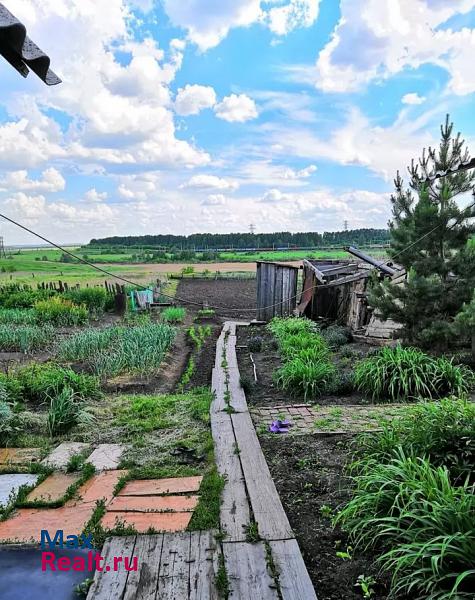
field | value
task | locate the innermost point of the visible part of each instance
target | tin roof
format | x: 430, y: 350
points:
x: 21, y: 52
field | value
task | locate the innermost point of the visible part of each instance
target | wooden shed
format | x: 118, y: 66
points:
x: 276, y: 290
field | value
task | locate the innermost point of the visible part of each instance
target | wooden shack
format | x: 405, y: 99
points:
x: 276, y: 290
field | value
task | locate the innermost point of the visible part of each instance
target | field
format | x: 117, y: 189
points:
x: 72, y: 371
x: 36, y: 266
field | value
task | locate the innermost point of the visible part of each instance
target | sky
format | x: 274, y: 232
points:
x: 184, y: 116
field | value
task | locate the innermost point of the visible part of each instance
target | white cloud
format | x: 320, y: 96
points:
x: 392, y: 35
x: 274, y: 195
x: 412, y: 98
x: 93, y: 195
x: 301, y: 173
x: 215, y: 200
x: 192, y: 99
x: 295, y: 14
x: 27, y: 206
x: 236, y: 108
x: 207, y: 182
x: 383, y: 150
x: 51, y: 181
x: 208, y: 22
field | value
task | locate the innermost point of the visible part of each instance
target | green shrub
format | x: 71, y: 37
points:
x: 95, y: 299
x: 65, y: 411
x: 7, y: 420
x: 255, y: 343
x: 25, y: 338
x: 305, y: 377
x: 23, y: 298
x: 61, y: 312
x: 442, y: 431
x: 423, y: 522
x: 408, y: 373
x: 11, y: 389
x: 336, y: 336
x: 39, y: 382
x: 173, y: 314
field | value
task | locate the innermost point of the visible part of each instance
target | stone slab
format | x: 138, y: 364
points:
x: 153, y: 503
x: 106, y: 456
x: 59, y: 457
x: 156, y: 487
x: 26, y: 524
x: 11, y: 483
x: 99, y: 487
x: 142, y: 522
x: 18, y: 456
x: 53, y: 488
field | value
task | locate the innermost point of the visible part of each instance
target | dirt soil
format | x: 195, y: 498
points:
x: 235, y: 298
x: 265, y: 392
x: 308, y: 473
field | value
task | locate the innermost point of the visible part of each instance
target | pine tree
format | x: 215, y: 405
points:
x: 431, y: 239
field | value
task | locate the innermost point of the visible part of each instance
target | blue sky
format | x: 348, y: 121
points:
x: 178, y: 116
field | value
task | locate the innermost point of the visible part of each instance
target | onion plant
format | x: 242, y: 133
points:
x: 25, y: 338
x: 173, y: 314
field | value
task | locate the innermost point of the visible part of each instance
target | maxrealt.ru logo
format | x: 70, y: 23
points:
x: 93, y: 561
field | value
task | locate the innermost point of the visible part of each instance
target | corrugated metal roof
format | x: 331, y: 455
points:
x: 21, y: 52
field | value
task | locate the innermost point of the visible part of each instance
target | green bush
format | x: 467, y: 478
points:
x: 424, y: 523
x: 39, y: 382
x: 408, y: 373
x: 11, y: 389
x: 442, y: 431
x: 173, y: 314
x: 60, y: 312
x: 65, y: 411
x: 95, y: 299
x: 336, y: 336
x: 25, y: 338
x: 15, y: 298
x: 7, y: 420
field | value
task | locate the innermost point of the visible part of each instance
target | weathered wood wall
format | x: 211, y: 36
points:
x: 276, y: 290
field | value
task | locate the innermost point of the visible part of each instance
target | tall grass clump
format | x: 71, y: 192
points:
x: 442, y: 431
x: 60, y: 312
x: 66, y: 409
x: 25, y: 338
x: 173, y: 314
x: 408, y: 373
x: 422, y: 521
x: 12, y: 297
x: 37, y: 383
x: 308, y: 369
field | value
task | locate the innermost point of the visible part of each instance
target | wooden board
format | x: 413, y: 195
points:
x: 203, y: 562
x: 174, y: 568
x: 142, y: 584
x: 265, y: 502
x: 218, y: 386
x: 238, y: 397
x: 246, y: 568
x: 234, y: 512
x: 111, y: 585
x: 294, y: 580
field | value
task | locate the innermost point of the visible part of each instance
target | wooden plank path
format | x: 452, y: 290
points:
x: 185, y: 565
x: 250, y: 495
x: 170, y: 566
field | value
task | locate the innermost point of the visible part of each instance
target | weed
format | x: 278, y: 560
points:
x: 61, y: 312
x: 326, y: 511
x: 222, y: 581
x: 66, y: 410
x: 247, y: 384
x: 82, y: 589
x: 252, y: 533
x: 173, y: 314
x: 366, y: 584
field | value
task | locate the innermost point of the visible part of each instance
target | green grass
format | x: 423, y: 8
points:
x: 206, y: 514
x: 285, y: 255
x: 173, y: 314
x: 17, y: 316
x: 66, y: 410
x: 25, y: 338
x: 408, y: 373
x: 422, y: 521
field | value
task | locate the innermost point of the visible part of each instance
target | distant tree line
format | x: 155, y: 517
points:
x: 360, y: 237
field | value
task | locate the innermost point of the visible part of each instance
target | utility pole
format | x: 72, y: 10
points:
x: 345, y: 225
x: 252, y: 228
x: 2, y: 248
